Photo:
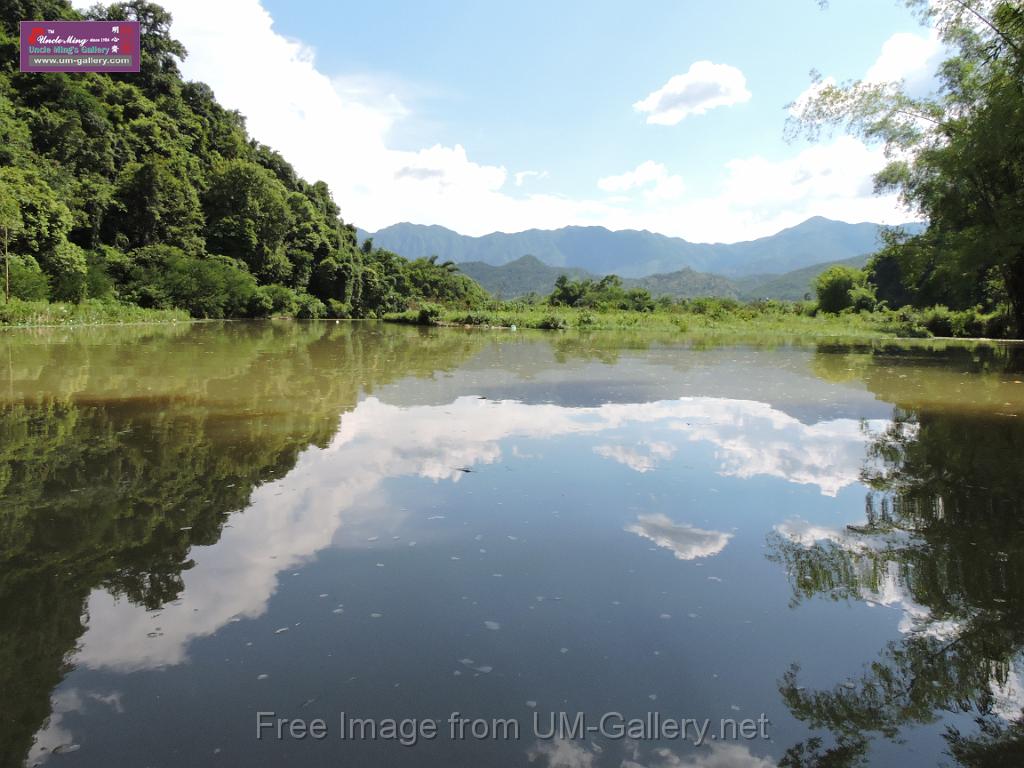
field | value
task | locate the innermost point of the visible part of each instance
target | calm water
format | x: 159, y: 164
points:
x: 202, y: 522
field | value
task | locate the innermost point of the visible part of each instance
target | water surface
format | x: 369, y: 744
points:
x: 202, y: 522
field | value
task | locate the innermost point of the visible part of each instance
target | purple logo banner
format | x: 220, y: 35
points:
x: 80, y: 46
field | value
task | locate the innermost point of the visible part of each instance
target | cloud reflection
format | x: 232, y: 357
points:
x: 333, y: 497
x: 685, y: 541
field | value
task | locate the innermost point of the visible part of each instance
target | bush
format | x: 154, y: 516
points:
x: 281, y: 299
x: 340, y: 309
x: 553, y: 323
x: 27, y: 280
x: 474, y: 318
x: 429, y: 314
x: 833, y: 287
x: 938, y: 320
x: 310, y: 307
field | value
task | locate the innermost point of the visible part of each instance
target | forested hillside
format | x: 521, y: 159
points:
x: 141, y: 188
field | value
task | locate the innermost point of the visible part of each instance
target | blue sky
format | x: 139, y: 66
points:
x: 485, y: 116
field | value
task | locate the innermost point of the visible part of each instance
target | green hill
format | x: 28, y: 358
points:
x: 528, y: 274
x: 525, y: 275
x: 142, y: 189
x: 791, y: 286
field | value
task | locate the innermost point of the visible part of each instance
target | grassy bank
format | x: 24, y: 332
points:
x: 742, y: 319
x: 725, y: 316
x: 89, y: 312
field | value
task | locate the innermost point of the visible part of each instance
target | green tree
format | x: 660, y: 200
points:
x: 833, y: 287
x: 248, y: 218
x: 10, y: 223
x: 956, y: 154
x: 156, y: 204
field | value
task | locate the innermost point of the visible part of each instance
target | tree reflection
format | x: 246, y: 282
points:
x: 101, y: 487
x: 944, y: 539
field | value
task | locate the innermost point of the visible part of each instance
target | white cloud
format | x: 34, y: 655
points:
x: 909, y: 57
x: 649, y: 175
x: 703, y: 87
x: 522, y: 176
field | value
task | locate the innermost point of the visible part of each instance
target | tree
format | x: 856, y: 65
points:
x: 10, y: 222
x: 833, y: 287
x: 955, y: 155
x: 248, y: 218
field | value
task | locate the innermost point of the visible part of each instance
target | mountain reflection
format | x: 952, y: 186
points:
x: 943, y: 542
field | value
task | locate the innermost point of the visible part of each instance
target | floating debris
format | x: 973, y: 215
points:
x: 492, y: 625
x: 262, y: 677
x: 338, y: 610
x: 64, y: 749
x: 531, y: 704
x: 376, y: 615
x: 279, y: 631
x: 665, y: 616
x: 563, y: 650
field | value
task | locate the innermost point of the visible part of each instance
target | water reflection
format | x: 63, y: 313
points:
x: 158, y: 485
x: 943, y: 543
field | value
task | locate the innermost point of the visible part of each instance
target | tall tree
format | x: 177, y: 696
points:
x: 956, y: 155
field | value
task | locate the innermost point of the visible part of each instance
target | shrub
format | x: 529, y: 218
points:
x: 28, y: 282
x: 553, y: 323
x: 833, y: 287
x: 473, y: 318
x: 337, y: 308
x: 429, y: 314
x: 309, y: 307
x: 282, y: 300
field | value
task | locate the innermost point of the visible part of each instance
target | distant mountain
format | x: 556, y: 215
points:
x: 686, y: 284
x: 791, y: 286
x: 527, y: 274
x: 631, y: 253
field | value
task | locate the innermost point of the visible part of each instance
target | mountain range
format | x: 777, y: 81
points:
x: 528, y: 274
x: 638, y: 254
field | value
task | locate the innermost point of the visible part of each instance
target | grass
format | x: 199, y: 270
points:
x: 89, y: 312
x: 704, y: 316
x: 746, y: 319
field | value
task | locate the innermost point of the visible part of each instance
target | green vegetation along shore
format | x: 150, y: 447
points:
x: 138, y: 197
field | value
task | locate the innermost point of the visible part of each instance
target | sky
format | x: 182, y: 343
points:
x: 665, y: 115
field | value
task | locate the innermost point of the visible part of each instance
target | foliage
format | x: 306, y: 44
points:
x: 143, y: 189
x: 606, y: 293
x: 834, y: 287
x: 954, y: 157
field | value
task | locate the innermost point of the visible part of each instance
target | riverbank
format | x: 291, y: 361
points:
x: 744, y: 319
x: 17, y: 313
